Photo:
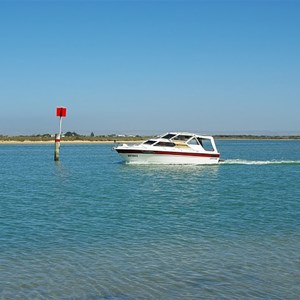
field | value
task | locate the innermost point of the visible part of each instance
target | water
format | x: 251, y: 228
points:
x: 90, y: 227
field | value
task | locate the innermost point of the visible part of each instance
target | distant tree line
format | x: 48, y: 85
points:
x: 69, y: 133
x: 257, y: 137
x: 74, y: 136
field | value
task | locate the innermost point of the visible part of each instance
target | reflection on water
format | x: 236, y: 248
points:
x: 180, y: 170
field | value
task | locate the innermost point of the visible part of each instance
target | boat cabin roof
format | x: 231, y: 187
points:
x: 178, y: 139
x: 183, y: 140
x: 182, y: 136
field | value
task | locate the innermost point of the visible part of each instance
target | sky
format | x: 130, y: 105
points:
x: 149, y: 67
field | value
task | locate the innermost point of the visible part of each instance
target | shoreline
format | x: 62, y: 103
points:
x: 28, y: 142
x: 112, y: 142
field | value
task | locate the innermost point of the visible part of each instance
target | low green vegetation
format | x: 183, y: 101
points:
x: 73, y: 136
x: 257, y: 137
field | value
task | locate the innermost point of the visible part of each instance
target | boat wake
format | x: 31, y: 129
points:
x: 224, y: 162
x: 259, y: 162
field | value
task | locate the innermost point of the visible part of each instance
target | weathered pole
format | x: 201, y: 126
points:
x: 60, y: 112
x: 57, y: 146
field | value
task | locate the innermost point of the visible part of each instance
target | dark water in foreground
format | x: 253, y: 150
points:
x: 91, y: 227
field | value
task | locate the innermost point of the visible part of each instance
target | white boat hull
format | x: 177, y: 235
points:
x: 167, y: 158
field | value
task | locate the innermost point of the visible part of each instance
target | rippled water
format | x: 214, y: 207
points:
x: 90, y: 227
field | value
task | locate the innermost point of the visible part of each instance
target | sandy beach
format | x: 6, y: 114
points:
x: 5, y: 142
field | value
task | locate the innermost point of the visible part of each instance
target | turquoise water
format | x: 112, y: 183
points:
x: 90, y: 227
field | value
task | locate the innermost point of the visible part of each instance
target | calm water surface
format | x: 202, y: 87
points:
x: 90, y: 227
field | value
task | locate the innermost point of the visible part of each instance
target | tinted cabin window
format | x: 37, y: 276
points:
x: 182, y: 138
x: 193, y: 141
x: 206, y: 144
x: 149, y: 142
x: 200, y: 141
x: 168, y: 136
x: 165, y: 144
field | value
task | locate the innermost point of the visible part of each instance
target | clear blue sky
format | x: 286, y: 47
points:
x: 150, y: 66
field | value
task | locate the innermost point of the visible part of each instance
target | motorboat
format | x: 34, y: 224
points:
x: 172, y: 148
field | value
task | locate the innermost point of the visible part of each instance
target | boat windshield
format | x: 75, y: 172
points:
x: 193, y: 141
x: 168, y: 136
x: 182, y: 138
x: 206, y: 144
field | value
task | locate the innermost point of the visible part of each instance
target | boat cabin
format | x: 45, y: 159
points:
x: 184, y: 140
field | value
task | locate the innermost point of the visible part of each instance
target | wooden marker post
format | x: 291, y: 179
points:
x: 60, y: 112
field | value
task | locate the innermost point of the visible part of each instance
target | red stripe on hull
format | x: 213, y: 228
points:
x: 167, y: 153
